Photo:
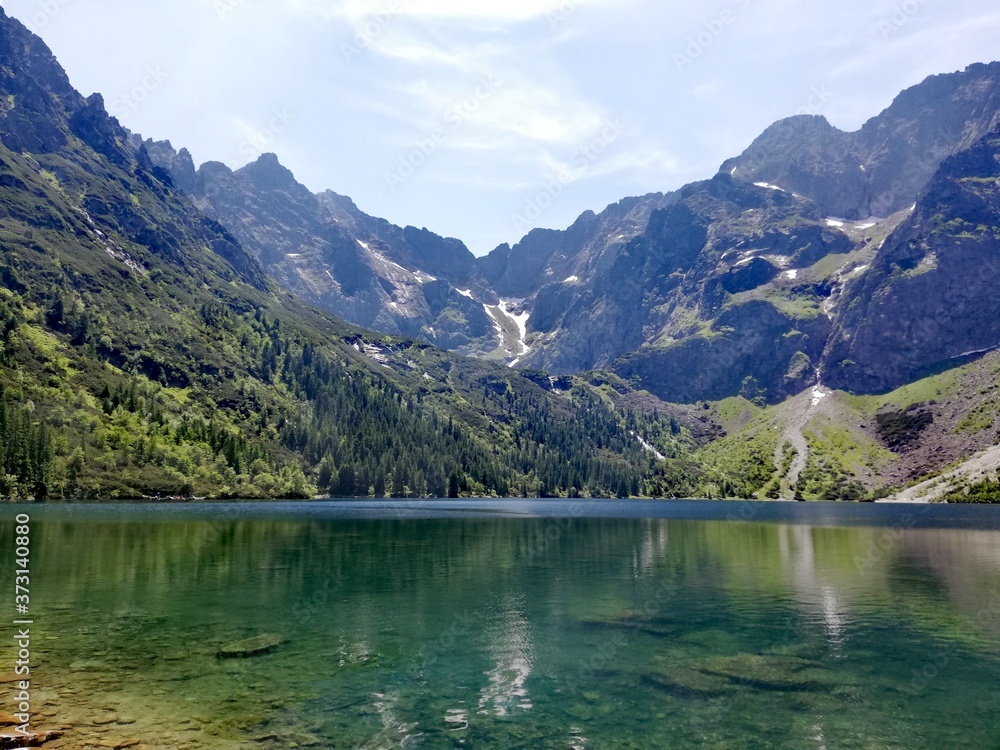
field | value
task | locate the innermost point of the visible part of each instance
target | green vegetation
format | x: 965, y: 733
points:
x: 773, y: 489
x: 901, y: 428
x: 26, y: 449
x: 287, y: 417
x: 142, y: 352
x: 981, y: 493
x: 925, y: 391
x: 824, y: 479
x: 739, y: 465
x: 801, y: 307
x: 982, y: 417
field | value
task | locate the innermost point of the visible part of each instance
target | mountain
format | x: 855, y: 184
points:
x: 143, y: 348
x: 736, y: 284
x: 928, y: 301
x: 733, y: 285
x: 166, y: 328
x: 706, y: 282
x: 880, y: 169
x: 397, y: 280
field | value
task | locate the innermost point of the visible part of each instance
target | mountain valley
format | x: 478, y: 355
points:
x: 818, y: 320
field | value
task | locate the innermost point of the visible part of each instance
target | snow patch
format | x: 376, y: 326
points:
x: 465, y: 293
x: 373, y: 352
x: 869, y: 225
x: 364, y: 245
x: 113, y: 249
x: 976, y: 351
x: 520, y: 319
x: 769, y: 186
x: 858, y: 271
x: 818, y: 395
x: 376, y: 354
x: 781, y: 261
x: 793, y: 274
x: 571, y: 280
x: 520, y: 348
x: 497, y: 327
x: 834, y: 223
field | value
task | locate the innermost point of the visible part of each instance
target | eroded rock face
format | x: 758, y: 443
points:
x: 880, y: 169
x: 38, y: 92
x: 328, y: 252
x: 930, y: 299
x: 753, y: 350
x: 694, y: 293
x: 807, y: 155
x: 94, y: 126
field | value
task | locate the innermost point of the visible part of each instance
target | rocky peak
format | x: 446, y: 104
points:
x: 880, y: 169
x: 179, y: 164
x: 268, y: 174
x: 35, y: 93
x: 92, y: 124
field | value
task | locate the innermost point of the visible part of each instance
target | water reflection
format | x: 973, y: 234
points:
x: 431, y: 633
x: 651, y: 548
x: 510, y: 648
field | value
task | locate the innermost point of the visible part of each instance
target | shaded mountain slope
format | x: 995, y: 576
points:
x: 405, y: 281
x: 929, y: 300
x: 879, y: 169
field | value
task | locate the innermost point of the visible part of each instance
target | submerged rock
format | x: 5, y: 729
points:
x: 256, y: 646
x: 780, y: 673
x: 690, y: 683
x: 724, y: 675
x: 634, y: 623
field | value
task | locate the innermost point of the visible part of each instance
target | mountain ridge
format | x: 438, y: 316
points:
x: 144, y: 351
x: 595, y: 295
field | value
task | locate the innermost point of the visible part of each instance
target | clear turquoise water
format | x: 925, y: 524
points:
x: 506, y: 626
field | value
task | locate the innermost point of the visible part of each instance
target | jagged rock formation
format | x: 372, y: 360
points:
x: 750, y: 283
x: 686, y: 292
x: 929, y: 301
x: 880, y: 169
x: 404, y: 281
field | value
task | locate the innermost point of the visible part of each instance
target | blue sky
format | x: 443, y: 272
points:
x: 480, y: 120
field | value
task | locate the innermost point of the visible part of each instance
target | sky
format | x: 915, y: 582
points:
x: 482, y: 119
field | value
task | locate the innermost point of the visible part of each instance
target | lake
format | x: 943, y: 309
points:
x: 514, y: 624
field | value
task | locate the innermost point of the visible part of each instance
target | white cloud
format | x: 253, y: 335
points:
x: 514, y: 100
x: 503, y: 11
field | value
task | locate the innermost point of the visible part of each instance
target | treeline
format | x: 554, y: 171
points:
x: 26, y: 451
x: 363, y: 436
x: 290, y: 418
x: 985, y: 492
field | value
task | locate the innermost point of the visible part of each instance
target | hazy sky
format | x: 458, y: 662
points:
x: 481, y: 119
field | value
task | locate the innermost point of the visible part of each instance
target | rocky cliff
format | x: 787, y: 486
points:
x: 398, y: 280
x: 754, y: 282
